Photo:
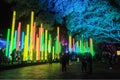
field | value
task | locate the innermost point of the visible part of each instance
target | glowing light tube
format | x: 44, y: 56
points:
x: 12, y: 32
x: 77, y: 47
x: 22, y: 41
x: 73, y: 45
x: 42, y: 58
x: 15, y: 39
x: 60, y: 47
x: 58, y: 33
x: 42, y: 45
x: 41, y: 34
x: 56, y: 45
x: 25, y: 53
x: 53, y: 53
x: 37, y: 50
x: 18, y: 36
x: 49, y: 44
x: 70, y: 43
x: 26, y: 56
x: 84, y: 46
x: 91, y: 47
x: 87, y: 47
x: 34, y: 34
x: 46, y: 35
x: 31, y: 33
x: 7, y: 43
x: 27, y: 39
x: 40, y: 38
x: 81, y: 47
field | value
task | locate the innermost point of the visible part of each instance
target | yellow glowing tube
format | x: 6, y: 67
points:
x: 25, y: 49
x: 27, y: 39
x: 70, y: 43
x: 28, y: 30
x: 12, y: 32
x: 58, y: 33
x: 46, y: 33
x: 31, y: 45
x: 53, y: 53
x: 25, y: 58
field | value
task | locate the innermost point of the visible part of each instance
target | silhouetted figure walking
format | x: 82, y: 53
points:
x: 84, y: 64
x: 64, y: 62
x: 90, y: 63
x: 110, y: 61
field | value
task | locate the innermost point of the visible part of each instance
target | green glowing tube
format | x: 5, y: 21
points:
x: 7, y: 53
x: 15, y: 40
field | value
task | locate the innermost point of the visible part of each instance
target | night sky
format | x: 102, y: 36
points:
x: 5, y: 18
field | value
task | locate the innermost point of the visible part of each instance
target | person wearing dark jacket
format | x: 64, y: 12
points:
x: 63, y: 62
x: 90, y: 62
x: 84, y: 64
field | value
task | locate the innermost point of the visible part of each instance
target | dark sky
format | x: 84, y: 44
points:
x: 5, y: 18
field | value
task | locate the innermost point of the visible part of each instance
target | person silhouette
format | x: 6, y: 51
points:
x: 84, y: 63
x: 63, y: 61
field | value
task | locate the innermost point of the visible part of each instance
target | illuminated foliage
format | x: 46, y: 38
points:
x: 99, y: 19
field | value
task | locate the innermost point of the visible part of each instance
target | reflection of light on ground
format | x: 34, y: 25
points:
x: 118, y: 52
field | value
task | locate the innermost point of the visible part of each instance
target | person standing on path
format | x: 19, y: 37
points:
x: 64, y: 61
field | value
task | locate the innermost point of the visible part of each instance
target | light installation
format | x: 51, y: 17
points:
x: 15, y: 39
x: 12, y: 32
x: 18, y: 36
x: 53, y: 53
x: 31, y: 33
x: 46, y: 35
x: 7, y: 43
x: 40, y: 43
x: 70, y: 43
x: 22, y: 40
x: 73, y: 44
x: 91, y: 47
x: 37, y: 47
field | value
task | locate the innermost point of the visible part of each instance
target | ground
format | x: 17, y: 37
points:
x: 46, y: 71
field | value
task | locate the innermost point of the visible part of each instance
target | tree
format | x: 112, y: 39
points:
x: 98, y: 19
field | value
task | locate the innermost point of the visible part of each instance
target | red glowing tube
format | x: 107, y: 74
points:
x: 18, y: 36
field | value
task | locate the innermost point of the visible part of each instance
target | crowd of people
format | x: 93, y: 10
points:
x: 86, y: 62
x: 3, y: 58
x: 15, y: 57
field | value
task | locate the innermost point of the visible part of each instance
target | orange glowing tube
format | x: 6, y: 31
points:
x: 37, y: 52
x: 34, y: 33
x: 91, y: 47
